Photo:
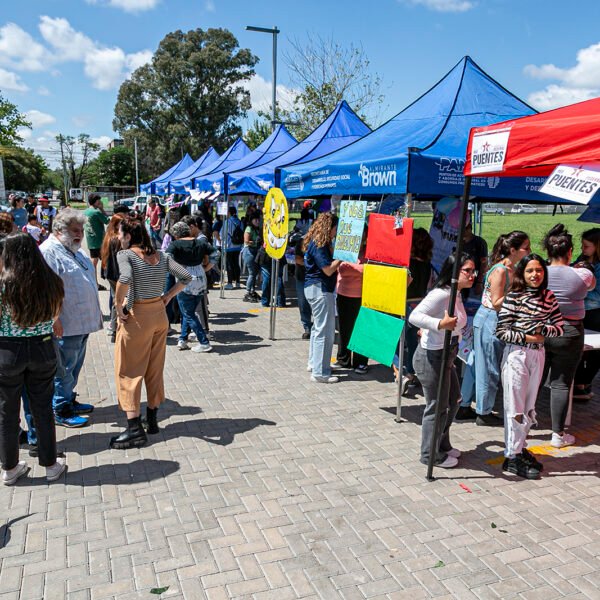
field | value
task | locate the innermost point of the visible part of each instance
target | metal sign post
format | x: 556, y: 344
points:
x: 274, y: 290
x: 224, y: 253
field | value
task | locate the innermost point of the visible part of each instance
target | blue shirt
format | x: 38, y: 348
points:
x: 80, y: 312
x: 20, y: 216
x: 314, y: 261
x: 592, y: 300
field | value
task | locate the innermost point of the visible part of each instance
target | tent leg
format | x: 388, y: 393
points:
x: 224, y: 253
x: 442, y: 391
x: 273, y: 309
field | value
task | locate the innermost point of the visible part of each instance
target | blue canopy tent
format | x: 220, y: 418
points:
x: 178, y: 184
x: 422, y: 149
x: 342, y: 127
x: 280, y: 141
x: 158, y: 184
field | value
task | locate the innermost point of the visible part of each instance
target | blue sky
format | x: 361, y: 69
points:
x: 61, y: 61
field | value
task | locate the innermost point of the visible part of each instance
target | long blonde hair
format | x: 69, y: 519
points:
x: 320, y: 231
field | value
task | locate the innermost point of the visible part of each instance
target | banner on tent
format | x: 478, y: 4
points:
x: 276, y: 223
x: 488, y: 151
x: 388, y: 244
x: 384, y: 288
x: 571, y: 183
x: 376, y: 335
x: 350, y: 230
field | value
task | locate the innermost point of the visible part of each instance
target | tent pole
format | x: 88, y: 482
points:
x: 224, y: 248
x: 398, y: 419
x: 442, y: 391
x: 273, y: 309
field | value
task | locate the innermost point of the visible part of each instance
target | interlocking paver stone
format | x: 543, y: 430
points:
x: 264, y: 485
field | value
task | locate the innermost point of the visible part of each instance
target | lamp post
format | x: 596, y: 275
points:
x: 274, y: 263
x: 274, y: 31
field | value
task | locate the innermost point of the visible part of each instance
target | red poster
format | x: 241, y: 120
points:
x: 386, y: 243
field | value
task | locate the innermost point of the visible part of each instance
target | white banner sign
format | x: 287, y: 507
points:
x: 489, y: 151
x: 578, y: 185
x: 222, y: 208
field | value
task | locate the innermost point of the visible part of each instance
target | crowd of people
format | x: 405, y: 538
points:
x: 528, y: 329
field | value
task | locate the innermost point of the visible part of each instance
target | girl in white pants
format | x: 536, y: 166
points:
x: 529, y: 314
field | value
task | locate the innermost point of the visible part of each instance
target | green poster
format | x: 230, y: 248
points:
x: 376, y: 335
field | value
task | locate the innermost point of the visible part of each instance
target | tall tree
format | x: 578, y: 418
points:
x: 23, y: 169
x: 188, y: 98
x: 77, y: 154
x: 325, y: 72
x: 113, y: 167
x: 258, y: 133
x: 10, y: 122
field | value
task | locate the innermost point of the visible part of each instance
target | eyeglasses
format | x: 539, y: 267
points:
x: 469, y: 272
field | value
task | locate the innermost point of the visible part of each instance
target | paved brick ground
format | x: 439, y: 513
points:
x: 262, y: 485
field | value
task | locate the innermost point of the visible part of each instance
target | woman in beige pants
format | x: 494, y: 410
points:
x: 143, y: 326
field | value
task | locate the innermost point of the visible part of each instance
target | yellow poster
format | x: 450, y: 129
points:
x: 276, y: 223
x: 384, y: 289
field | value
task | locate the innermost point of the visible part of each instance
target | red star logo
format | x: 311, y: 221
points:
x: 576, y: 172
x: 486, y: 147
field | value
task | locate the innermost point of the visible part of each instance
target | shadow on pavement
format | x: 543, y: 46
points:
x: 5, y: 530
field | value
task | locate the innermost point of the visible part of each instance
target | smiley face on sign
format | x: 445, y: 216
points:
x: 276, y: 223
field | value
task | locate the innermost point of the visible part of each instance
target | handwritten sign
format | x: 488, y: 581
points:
x: 350, y: 230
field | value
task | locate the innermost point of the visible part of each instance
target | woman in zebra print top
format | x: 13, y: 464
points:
x: 529, y: 314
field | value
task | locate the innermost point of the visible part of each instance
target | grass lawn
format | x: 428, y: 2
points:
x: 536, y: 225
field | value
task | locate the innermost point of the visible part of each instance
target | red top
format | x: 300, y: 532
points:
x: 349, y: 281
x: 154, y: 215
x: 539, y: 143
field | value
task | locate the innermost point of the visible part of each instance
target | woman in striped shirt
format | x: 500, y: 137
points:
x: 528, y: 316
x: 143, y: 326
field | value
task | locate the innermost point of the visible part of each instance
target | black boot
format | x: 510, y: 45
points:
x: 133, y: 437
x: 152, y: 420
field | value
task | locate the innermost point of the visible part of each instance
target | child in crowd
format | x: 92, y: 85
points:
x: 529, y: 314
x: 34, y: 229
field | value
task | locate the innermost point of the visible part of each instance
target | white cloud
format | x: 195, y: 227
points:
x: 43, y: 91
x: 443, y: 5
x: 261, y: 94
x: 20, y: 51
x: 37, y: 118
x: 102, y: 140
x: 81, y: 121
x: 579, y: 82
x: 209, y: 6
x: 105, y: 67
x: 131, y: 6
x: 11, y: 81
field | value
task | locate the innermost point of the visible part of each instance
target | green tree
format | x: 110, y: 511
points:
x: 113, y: 167
x: 23, y: 169
x: 10, y: 121
x: 258, y: 133
x: 77, y: 153
x: 188, y: 98
x: 325, y: 72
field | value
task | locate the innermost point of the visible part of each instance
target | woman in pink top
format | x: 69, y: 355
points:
x: 349, y: 298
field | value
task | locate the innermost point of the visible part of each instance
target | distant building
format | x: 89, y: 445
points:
x: 114, y: 143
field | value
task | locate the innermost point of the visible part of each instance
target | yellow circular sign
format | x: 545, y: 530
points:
x: 276, y: 223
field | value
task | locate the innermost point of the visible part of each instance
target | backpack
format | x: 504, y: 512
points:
x: 237, y: 235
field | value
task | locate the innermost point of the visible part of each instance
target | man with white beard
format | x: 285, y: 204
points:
x: 80, y: 314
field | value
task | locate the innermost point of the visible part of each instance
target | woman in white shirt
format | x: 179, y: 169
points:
x: 431, y: 316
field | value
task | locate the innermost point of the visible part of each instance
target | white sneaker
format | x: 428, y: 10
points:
x: 57, y: 469
x: 404, y: 385
x: 182, y: 345
x: 454, y: 452
x: 450, y: 462
x: 202, y: 348
x: 325, y: 379
x: 561, y: 441
x: 10, y: 477
x: 192, y: 337
x: 309, y: 368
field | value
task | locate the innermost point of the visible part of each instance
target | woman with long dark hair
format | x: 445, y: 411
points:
x: 143, y: 326
x: 431, y: 316
x: 319, y: 287
x: 570, y: 286
x: 109, y: 267
x: 590, y: 363
x: 28, y: 358
x: 507, y: 252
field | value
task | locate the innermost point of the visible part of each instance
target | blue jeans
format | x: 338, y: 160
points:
x: 322, y: 334
x: 488, y: 356
x: 71, y: 354
x: 303, y: 306
x: 248, y: 256
x: 189, y: 318
x: 155, y: 237
x: 31, y: 433
x: 467, y: 388
x: 266, y: 287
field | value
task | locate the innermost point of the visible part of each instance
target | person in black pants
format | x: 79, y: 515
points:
x: 28, y: 356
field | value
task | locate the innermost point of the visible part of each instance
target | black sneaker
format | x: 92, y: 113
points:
x: 532, y: 460
x: 248, y: 298
x: 519, y: 466
x: 489, y: 420
x: 465, y: 413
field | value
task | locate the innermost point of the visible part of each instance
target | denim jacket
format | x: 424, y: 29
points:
x: 592, y: 300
